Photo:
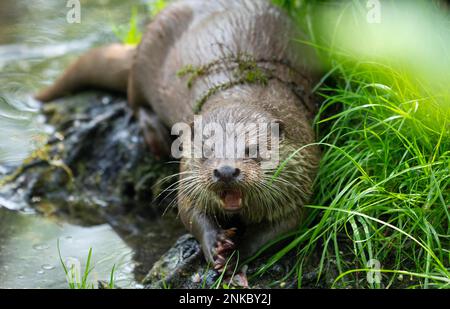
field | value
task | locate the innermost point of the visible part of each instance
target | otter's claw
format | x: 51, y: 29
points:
x: 223, y: 247
x: 229, y: 233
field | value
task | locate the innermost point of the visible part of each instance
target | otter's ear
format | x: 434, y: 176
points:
x: 281, y: 126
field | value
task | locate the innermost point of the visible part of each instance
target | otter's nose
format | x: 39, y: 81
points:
x: 226, y: 173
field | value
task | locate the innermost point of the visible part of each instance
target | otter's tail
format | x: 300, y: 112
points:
x: 104, y: 68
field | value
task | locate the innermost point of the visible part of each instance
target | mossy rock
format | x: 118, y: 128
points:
x: 95, y: 164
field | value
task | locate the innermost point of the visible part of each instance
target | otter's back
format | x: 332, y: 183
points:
x: 199, y: 32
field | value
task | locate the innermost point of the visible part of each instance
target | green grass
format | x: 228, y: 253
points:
x: 131, y: 34
x: 220, y: 282
x: 382, y: 191
x: 156, y: 6
x: 384, y: 178
x: 383, y: 187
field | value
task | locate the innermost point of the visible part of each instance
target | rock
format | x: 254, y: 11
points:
x: 183, y: 267
x: 95, y: 167
x: 175, y: 268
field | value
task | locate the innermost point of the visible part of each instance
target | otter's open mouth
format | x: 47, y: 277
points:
x: 231, y: 200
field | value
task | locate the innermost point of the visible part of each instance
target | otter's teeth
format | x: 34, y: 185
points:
x: 231, y: 200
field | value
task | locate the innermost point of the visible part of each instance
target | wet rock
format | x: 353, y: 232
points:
x: 94, y: 168
x: 175, y: 268
x: 183, y: 266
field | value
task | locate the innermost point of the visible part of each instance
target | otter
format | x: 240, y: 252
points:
x: 230, y: 61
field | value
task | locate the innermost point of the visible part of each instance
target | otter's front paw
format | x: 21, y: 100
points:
x: 223, y: 248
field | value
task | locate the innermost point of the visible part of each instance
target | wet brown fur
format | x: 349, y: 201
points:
x: 196, y: 33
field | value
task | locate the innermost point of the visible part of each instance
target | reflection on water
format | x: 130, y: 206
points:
x: 29, y: 256
x: 36, y: 43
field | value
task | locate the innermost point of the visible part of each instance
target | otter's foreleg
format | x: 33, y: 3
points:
x: 103, y: 68
x: 258, y: 235
x: 216, y: 243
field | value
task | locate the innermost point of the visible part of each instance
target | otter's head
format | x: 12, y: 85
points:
x: 237, y: 151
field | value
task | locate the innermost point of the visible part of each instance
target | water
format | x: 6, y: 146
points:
x: 36, y: 43
x: 29, y: 256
